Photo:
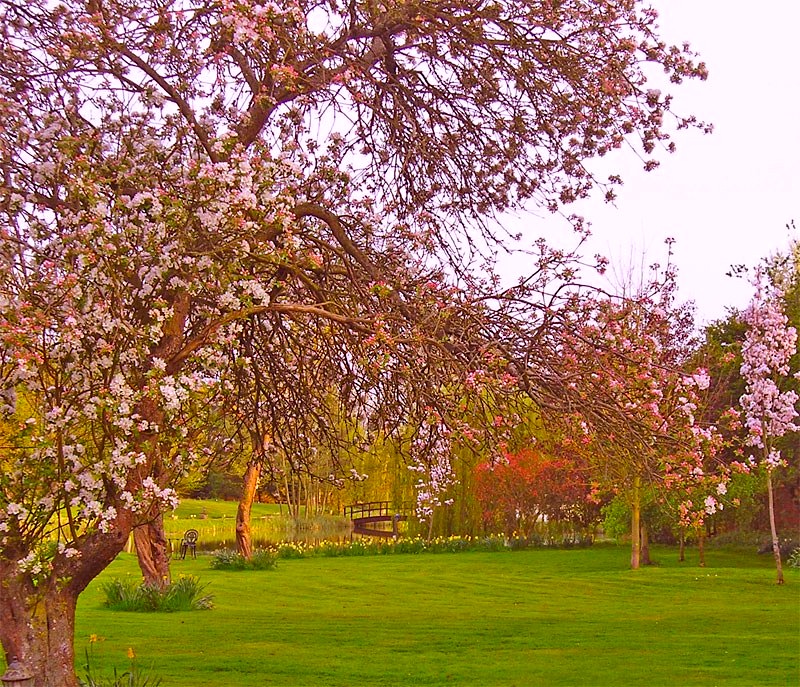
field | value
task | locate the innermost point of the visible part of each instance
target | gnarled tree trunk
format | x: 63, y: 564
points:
x: 37, y: 619
x: 37, y: 628
x: 244, y: 540
x: 150, y: 540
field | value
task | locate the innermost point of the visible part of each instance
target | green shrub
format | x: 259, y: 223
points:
x: 262, y: 559
x: 185, y: 594
x: 227, y: 559
x: 291, y: 550
x: 616, y: 519
x: 746, y: 538
x: 224, y: 486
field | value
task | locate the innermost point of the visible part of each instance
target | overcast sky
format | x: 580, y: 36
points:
x: 726, y: 197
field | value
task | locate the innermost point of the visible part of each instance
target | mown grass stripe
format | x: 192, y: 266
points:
x: 539, y: 617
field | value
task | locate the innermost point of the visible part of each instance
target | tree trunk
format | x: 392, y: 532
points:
x: 37, y: 617
x: 682, y: 550
x: 37, y: 628
x: 645, y: 552
x: 307, y: 484
x: 701, y: 546
x: 636, y: 541
x: 151, y: 550
x: 776, y: 545
x: 289, y: 509
x: 326, y: 493
x: 149, y: 538
x: 244, y: 540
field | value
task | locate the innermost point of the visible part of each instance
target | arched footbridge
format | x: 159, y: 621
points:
x: 365, y: 515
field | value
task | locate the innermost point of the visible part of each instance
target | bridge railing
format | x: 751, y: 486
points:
x: 368, y: 510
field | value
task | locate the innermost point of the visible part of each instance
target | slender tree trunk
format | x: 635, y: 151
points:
x: 701, y: 546
x: 776, y: 545
x: 682, y: 550
x: 307, y: 487
x: 150, y: 540
x: 645, y: 552
x: 289, y: 508
x: 244, y: 540
x: 636, y: 541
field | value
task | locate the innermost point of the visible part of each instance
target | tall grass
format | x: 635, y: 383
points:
x: 184, y: 594
x: 134, y: 676
x: 378, y: 546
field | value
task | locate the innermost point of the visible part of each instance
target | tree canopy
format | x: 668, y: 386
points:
x: 182, y: 181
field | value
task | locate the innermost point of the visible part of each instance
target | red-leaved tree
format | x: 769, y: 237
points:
x: 534, y: 487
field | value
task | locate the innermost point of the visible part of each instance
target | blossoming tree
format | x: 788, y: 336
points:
x: 769, y: 413
x: 637, y: 419
x: 172, y: 170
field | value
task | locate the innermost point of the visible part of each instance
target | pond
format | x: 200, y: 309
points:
x: 220, y: 533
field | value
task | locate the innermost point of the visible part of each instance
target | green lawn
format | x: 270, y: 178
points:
x: 522, y: 618
x: 195, y: 508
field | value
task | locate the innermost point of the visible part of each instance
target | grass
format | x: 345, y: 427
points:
x: 195, y: 508
x: 540, y: 617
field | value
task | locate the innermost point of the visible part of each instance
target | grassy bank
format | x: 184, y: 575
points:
x: 541, y: 617
x: 215, y: 522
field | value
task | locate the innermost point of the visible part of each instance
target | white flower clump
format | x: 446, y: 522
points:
x: 431, y: 460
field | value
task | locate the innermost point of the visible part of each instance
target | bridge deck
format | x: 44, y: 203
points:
x: 379, y: 518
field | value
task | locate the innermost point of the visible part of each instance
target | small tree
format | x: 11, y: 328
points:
x: 636, y: 422
x: 769, y: 413
x: 534, y: 486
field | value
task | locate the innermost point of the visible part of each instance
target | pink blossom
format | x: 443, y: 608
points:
x: 769, y: 345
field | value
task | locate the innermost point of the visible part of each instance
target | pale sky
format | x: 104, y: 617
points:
x: 725, y: 197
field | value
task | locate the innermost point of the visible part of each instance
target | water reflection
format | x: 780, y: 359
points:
x: 222, y: 535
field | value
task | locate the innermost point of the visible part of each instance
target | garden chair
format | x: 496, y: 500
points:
x: 189, y: 543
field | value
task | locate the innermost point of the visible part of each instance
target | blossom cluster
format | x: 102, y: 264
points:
x: 769, y: 345
x: 430, y: 459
